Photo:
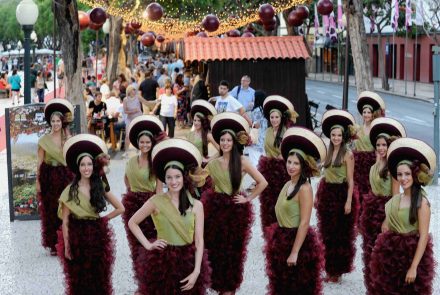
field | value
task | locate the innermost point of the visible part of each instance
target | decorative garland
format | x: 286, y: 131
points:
x: 175, y: 25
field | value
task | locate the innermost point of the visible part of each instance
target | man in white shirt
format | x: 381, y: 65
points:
x: 227, y: 103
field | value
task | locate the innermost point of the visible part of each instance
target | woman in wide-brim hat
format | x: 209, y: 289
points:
x: 175, y: 262
x: 336, y: 206
x: 402, y: 261
x: 202, y: 113
x: 141, y: 182
x: 52, y: 173
x: 383, y: 132
x: 228, y: 212
x: 371, y: 106
x: 86, y: 240
x: 294, y: 253
x: 280, y: 114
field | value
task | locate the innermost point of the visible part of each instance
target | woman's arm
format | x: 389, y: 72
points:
x: 261, y: 182
x: 126, y: 182
x: 146, y: 210
x: 349, y: 160
x: 119, y: 208
x: 175, y: 107
x: 212, y: 141
x: 65, y: 229
x: 424, y: 216
x: 159, y: 187
x: 305, y: 196
x: 40, y: 159
x: 200, y: 245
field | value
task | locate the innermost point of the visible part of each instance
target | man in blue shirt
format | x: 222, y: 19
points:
x: 244, y: 93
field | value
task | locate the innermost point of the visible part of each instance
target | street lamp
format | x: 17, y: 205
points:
x: 27, y: 14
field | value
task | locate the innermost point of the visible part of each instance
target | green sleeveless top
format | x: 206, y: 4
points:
x: 171, y: 226
x: 379, y: 186
x: 52, y: 154
x: 398, y: 218
x: 270, y: 149
x: 287, y: 211
x: 196, y: 140
x: 336, y: 174
x: 139, y: 178
x: 362, y: 143
x: 82, y: 210
x: 220, y: 177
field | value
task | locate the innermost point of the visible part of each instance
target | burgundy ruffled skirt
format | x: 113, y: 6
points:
x: 305, y: 277
x: 53, y: 180
x: 162, y: 271
x: 390, y: 260
x: 132, y: 202
x: 361, y: 175
x: 370, y: 224
x: 92, y: 249
x: 337, y: 229
x: 275, y: 172
x: 227, y: 233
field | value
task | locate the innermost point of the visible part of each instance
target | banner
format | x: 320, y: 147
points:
x: 24, y: 126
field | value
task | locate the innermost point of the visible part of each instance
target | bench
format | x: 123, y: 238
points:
x: 4, y: 93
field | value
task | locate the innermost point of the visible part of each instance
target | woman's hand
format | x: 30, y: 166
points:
x: 411, y: 275
x: 157, y: 245
x: 384, y: 228
x: 190, y: 281
x: 239, y: 199
x: 347, y: 208
x: 67, y: 253
x: 291, y: 260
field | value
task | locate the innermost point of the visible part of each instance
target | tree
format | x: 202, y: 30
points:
x: 66, y: 15
x: 115, y: 44
x: 358, y: 39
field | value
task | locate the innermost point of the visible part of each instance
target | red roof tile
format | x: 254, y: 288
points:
x: 206, y: 49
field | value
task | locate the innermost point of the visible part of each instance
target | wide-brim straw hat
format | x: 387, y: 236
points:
x: 59, y: 105
x: 388, y: 126
x: 305, y: 140
x: 410, y: 149
x: 174, y: 149
x: 203, y: 107
x: 336, y: 117
x: 276, y: 102
x: 144, y: 123
x: 370, y: 98
x: 82, y: 143
x: 228, y: 120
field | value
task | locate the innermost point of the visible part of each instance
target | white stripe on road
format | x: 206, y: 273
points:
x: 319, y: 91
x: 415, y: 121
x: 336, y: 96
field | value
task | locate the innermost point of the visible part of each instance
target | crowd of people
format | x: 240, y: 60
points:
x: 188, y: 217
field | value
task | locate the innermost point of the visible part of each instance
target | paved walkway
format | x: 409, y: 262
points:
x: 424, y: 91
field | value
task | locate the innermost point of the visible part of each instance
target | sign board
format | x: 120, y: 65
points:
x: 24, y: 126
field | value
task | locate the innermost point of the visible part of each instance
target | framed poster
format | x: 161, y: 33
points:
x: 24, y: 126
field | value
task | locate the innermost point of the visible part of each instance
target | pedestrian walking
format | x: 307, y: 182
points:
x: 176, y: 261
x: 402, y: 261
x: 281, y: 115
x: 336, y: 207
x: 86, y: 240
x: 294, y: 253
x: 228, y: 212
x: 382, y: 133
x: 52, y: 173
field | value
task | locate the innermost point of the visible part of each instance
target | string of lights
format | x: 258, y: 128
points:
x: 177, y: 22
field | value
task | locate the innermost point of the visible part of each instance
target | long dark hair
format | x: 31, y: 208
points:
x: 205, y: 130
x: 234, y: 164
x: 339, y: 160
x: 303, y: 178
x: 284, y: 124
x: 149, y: 157
x: 259, y: 96
x: 97, y: 199
x: 184, y: 202
x: 416, y: 193
x: 384, y: 172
